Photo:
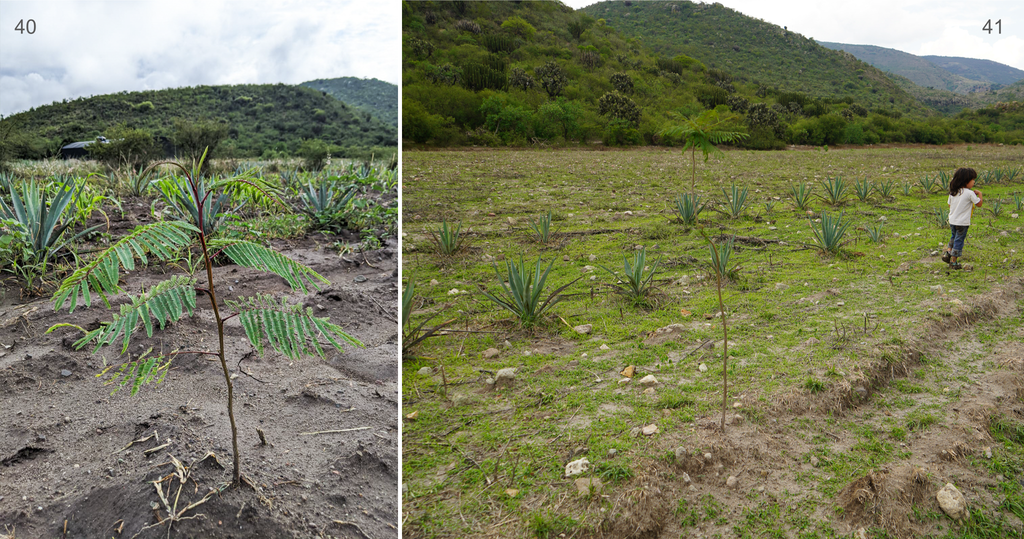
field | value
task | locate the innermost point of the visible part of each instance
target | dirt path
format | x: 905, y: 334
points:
x: 67, y: 470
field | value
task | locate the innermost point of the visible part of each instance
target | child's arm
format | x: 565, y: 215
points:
x: 977, y: 192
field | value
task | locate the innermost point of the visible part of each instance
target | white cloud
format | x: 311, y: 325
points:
x: 92, y: 47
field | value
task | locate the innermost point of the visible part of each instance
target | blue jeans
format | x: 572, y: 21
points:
x: 956, y: 241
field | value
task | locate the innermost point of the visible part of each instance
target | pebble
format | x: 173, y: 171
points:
x: 65, y: 373
x: 649, y: 381
x: 425, y: 371
x: 732, y: 482
x: 605, y: 347
x: 360, y: 278
x: 612, y: 452
x: 583, y: 329
x: 649, y: 430
x: 491, y: 352
x: 814, y: 461
x: 702, y: 368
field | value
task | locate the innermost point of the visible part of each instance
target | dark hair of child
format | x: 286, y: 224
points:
x: 961, y: 178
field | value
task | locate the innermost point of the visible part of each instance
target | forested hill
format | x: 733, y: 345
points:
x: 261, y: 118
x: 376, y: 96
x: 753, y: 50
x: 534, y: 73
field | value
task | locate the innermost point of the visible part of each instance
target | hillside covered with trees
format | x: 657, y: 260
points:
x: 259, y: 120
x: 376, y: 96
x: 506, y: 73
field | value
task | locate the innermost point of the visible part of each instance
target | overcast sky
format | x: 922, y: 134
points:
x: 921, y: 27
x: 85, y: 47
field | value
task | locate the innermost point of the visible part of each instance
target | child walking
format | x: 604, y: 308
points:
x: 962, y: 200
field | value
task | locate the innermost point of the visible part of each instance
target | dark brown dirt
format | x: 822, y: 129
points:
x: 66, y: 470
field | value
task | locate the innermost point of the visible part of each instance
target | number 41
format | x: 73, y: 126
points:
x: 988, y: 25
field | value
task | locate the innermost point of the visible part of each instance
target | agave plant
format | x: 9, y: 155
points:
x: 906, y: 189
x: 192, y: 199
x: 828, y: 236
x: 863, y: 189
x: 1018, y: 201
x: 325, y: 205
x: 887, y: 189
x: 996, y: 208
x: 927, y: 183
x: 41, y: 222
x: 801, y: 195
x: 875, y: 233
x: 523, y: 290
x: 943, y: 179
x: 542, y: 228
x: 636, y: 282
x: 289, y: 329
x: 835, y: 190
x: 736, y: 201
x: 941, y: 216
x: 448, y: 240
x: 1012, y: 173
x: 689, y: 207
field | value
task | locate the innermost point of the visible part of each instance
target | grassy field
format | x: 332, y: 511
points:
x: 843, y: 366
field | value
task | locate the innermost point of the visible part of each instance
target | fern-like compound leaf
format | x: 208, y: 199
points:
x: 253, y: 255
x: 165, y: 302
x: 102, y: 274
x: 289, y: 329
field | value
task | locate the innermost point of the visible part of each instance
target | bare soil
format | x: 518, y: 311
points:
x: 69, y: 467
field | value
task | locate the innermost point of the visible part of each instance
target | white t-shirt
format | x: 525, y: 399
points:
x: 961, y: 206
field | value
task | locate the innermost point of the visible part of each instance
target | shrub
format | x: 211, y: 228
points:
x: 622, y: 83
x: 518, y: 25
x: 125, y: 147
x: 619, y: 107
x: 193, y: 139
x: 518, y: 78
x: 552, y: 78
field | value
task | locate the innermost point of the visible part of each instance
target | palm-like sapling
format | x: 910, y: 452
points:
x: 289, y: 329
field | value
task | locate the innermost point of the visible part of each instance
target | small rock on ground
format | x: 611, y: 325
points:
x: 588, y: 485
x: 952, y: 502
x: 505, y: 378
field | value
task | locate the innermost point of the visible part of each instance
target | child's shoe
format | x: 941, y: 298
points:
x: 955, y: 266
x: 946, y: 256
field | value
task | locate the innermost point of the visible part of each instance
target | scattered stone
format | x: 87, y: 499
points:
x: 625, y: 381
x: 490, y: 353
x: 512, y: 492
x: 576, y: 362
x: 952, y: 502
x: 811, y: 342
x: 702, y: 368
x: 413, y: 416
x: 583, y: 329
x: 814, y: 461
x: 507, y: 344
x: 588, y: 269
x: 732, y: 482
x: 588, y: 485
x: 840, y: 304
x: 433, y: 282
x: 707, y: 456
x: 360, y: 279
x: 592, y: 258
x: 988, y: 452
x: 605, y: 347
x: 737, y: 404
x: 65, y: 373
x: 649, y: 430
x: 489, y: 382
x: 680, y: 453
x: 565, y: 258
x: 736, y: 419
x: 649, y: 392
x: 663, y: 335
x: 612, y: 452
x: 629, y: 371
x: 649, y: 381
x: 505, y: 378
x: 425, y: 371
x: 686, y: 478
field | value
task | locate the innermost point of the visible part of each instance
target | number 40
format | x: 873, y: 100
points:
x: 26, y: 26
x: 988, y: 25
